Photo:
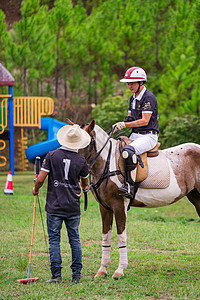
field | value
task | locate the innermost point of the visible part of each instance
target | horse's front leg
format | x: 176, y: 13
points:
x: 107, y: 220
x: 120, y: 217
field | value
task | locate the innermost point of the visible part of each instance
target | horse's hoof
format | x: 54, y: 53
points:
x: 100, y: 274
x: 117, y: 275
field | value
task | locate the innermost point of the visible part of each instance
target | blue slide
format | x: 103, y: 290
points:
x: 41, y: 149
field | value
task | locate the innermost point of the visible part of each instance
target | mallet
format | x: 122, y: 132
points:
x: 26, y: 280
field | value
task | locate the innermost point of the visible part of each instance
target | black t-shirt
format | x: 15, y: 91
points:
x: 147, y: 103
x: 65, y: 169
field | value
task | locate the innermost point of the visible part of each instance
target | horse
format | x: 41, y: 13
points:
x: 184, y: 180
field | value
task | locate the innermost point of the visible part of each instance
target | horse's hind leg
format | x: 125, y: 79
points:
x: 194, y: 197
x: 107, y: 220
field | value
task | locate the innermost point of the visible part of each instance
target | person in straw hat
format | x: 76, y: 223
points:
x: 65, y: 168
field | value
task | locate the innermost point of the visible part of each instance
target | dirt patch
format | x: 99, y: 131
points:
x: 91, y: 242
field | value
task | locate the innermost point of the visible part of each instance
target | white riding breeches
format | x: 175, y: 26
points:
x: 143, y: 142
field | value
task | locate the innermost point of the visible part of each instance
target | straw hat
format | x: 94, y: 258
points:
x: 73, y: 137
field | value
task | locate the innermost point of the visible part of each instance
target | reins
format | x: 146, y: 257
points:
x: 106, y: 172
x: 98, y: 153
x: 93, y: 144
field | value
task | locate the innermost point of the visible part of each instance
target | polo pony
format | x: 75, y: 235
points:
x: 177, y: 175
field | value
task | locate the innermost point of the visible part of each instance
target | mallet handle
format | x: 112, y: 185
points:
x: 34, y: 210
x: 37, y: 170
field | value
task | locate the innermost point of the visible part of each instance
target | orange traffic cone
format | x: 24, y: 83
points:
x: 9, y: 186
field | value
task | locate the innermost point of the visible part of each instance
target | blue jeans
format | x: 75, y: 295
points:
x: 54, y: 225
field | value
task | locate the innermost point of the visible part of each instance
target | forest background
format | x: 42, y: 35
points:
x: 76, y: 52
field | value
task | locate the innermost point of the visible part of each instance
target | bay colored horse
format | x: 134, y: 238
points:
x: 184, y: 180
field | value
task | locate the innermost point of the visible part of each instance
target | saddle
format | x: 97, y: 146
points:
x: 141, y: 173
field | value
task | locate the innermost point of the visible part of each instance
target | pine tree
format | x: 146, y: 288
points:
x: 59, y: 17
x: 178, y: 83
x: 3, y: 37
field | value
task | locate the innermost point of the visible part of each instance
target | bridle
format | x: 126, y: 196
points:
x: 106, y: 172
x: 93, y: 145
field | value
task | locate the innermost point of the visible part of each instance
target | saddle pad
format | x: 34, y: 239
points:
x: 158, y: 173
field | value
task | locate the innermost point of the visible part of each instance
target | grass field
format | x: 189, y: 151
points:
x: 163, y: 251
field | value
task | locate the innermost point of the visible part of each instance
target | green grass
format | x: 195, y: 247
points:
x: 163, y: 251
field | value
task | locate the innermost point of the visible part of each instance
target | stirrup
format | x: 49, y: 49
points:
x: 127, y: 190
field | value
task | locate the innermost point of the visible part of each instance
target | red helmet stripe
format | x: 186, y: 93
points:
x: 134, y: 77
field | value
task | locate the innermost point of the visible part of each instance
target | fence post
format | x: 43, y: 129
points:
x: 11, y: 128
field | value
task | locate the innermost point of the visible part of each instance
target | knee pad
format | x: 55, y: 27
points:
x: 130, y: 158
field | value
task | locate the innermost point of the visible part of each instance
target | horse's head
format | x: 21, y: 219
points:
x: 87, y: 127
x: 90, y: 151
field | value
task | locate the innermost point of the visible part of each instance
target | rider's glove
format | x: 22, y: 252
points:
x: 118, y: 126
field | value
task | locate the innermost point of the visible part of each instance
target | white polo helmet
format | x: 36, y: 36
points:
x: 134, y: 74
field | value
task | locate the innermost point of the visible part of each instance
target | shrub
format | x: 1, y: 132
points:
x: 113, y: 109
x: 181, y: 130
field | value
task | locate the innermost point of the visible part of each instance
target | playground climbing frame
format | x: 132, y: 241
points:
x: 3, y: 125
x: 23, y: 112
x: 28, y: 110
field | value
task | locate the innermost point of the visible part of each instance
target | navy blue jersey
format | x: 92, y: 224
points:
x: 65, y: 169
x: 146, y: 104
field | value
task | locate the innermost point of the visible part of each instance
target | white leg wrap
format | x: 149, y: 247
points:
x: 105, y: 261
x: 106, y: 248
x: 123, y: 259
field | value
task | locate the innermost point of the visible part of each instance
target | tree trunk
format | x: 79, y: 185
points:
x: 65, y: 89
x: 95, y: 94
x: 89, y: 86
x: 157, y: 45
x: 56, y: 79
x: 57, y: 62
x: 25, y: 75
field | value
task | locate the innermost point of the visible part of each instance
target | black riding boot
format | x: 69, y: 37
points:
x: 130, y: 161
x: 56, y: 276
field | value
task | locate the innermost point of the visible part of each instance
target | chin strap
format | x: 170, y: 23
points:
x: 140, y: 83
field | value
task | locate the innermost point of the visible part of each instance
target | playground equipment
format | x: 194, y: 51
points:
x: 28, y: 110
x: 6, y: 79
x: 41, y: 149
x: 22, y: 146
x: 25, y: 112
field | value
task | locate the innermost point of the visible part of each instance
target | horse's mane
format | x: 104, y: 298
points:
x: 100, y: 130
